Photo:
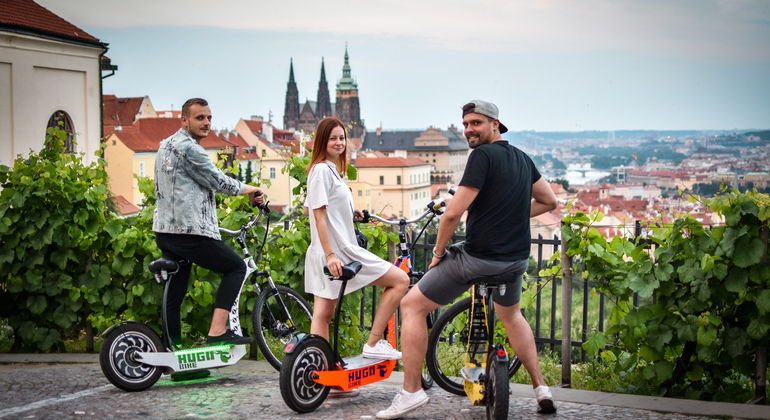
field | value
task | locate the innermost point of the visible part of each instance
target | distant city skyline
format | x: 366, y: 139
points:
x: 549, y: 65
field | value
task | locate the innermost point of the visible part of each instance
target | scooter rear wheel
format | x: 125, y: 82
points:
x: 298, y: 389
x: 117, y: 360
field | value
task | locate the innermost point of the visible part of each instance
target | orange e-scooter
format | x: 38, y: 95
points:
x: 311, y: 367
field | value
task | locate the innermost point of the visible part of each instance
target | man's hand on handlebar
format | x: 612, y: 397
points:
x: 256, y: 196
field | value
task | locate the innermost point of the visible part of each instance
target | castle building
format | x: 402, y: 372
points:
x: 346, y: 107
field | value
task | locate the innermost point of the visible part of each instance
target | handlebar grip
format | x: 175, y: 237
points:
x: 437, y: 206
x: 366, y: 217
x: 253, y: 202
x: 451, y: 191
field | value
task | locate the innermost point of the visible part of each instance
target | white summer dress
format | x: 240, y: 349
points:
x: 325, y: 188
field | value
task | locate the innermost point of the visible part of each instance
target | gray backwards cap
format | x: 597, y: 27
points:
x: 489, y: 109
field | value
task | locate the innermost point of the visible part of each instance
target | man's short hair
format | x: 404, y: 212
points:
x: 190, y: 102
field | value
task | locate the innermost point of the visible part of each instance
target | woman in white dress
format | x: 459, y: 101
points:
x: 333, y: 243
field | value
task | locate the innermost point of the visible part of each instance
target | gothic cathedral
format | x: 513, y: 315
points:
x: 346, y: 108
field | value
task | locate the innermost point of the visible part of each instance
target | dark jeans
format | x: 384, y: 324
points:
x: 208, y: 253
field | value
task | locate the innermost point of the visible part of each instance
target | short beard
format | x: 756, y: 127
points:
x: 479, y: 142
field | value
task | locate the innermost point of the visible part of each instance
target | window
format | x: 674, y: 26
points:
x: 272, y: 173
x: 141, y: 169
x: 62, y: 120
x: 382, y: 180
x: 398, y: 179
x: 264, y: 152
x: 360, y: 193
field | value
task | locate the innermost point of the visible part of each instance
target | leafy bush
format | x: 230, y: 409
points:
x: 52, y: 219
x: 708, y: 291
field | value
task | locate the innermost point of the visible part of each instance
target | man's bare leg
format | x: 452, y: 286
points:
x: 414, y: 336
x: 522, y: 340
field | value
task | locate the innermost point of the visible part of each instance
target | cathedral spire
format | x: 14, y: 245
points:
x: 347, y: 82
x: 291, y: 109
x: 323, y: 101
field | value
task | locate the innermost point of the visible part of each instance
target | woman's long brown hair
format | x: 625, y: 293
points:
x: 321, y: 140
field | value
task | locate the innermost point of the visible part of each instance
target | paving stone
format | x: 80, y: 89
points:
x: 42, y: 391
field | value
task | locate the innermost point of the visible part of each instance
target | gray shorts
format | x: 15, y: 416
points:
x: 453, y: 275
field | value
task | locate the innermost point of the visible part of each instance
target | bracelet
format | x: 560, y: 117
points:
x: 438, y: 256
x: 327, y: 255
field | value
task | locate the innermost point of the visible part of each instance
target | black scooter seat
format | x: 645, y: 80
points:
x: 163, y: 264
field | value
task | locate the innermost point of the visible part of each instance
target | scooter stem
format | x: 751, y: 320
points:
x: 337, y: 311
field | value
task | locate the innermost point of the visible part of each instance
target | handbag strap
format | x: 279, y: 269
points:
x: 355, y: 224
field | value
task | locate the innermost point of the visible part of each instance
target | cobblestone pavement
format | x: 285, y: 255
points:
x: 246, y: 390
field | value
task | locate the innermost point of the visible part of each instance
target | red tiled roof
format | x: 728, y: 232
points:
x: 214, y: 141
x: 146, y: 134
x: 120, y: 111
x: 254, y: 126
x: 356, y: 143
x: 389, y: 162
x: 237, y: 140
x: 30, y: 16
x: 557, y: 188
x: 126, y: 207
x: 548, y: 219
x: 169, y: 114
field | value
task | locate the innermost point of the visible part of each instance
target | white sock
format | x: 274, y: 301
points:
x: 410, y: 395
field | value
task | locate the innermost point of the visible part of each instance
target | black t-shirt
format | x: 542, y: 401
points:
x: 498, y: 218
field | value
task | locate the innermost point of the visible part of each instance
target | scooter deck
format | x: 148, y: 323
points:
x: 359, y: 371
x: 208, y: 357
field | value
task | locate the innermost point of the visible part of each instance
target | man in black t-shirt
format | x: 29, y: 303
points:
x: 501, y: 189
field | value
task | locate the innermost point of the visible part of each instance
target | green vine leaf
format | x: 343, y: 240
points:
x: 751, y: 251
x: 737, y: 280
x: 763, y: 302
x: 707, y: 335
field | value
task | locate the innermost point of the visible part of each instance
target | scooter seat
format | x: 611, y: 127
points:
x: 163, y: 264
x: 348, y: 271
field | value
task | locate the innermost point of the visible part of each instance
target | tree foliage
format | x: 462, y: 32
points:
x: 66, y: 260
x: 704, y: 292
x: 52, y: 219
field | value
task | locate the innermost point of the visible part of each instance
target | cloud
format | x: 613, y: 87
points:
x: 709, y: 29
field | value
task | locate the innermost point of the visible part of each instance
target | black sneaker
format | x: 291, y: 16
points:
x: 189, y: 376
x: 228, y: 338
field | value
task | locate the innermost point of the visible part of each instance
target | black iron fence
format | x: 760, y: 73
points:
x: 546, y: 315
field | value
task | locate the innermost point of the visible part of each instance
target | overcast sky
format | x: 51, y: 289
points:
x: 550, y: 65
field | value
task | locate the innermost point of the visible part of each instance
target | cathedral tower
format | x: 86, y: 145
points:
x: 291, y: 110
x: 347, y: 106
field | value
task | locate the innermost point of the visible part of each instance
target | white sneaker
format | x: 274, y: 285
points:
x: 381, y: 350
x: 544, y: 400
x: 403, y: 403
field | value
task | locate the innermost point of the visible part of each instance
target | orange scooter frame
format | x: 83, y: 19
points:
x: 312, y: 367
x: 351, y: 378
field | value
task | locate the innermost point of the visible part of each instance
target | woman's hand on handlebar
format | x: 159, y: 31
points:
x: 358, y: 216
x: 334, y: 265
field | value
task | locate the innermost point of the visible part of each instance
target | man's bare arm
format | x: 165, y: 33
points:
x: 543, y: 198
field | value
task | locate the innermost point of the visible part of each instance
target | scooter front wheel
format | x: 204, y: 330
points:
x: 497, y: 388
x: 117, y: 357
x: 298, y: 388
